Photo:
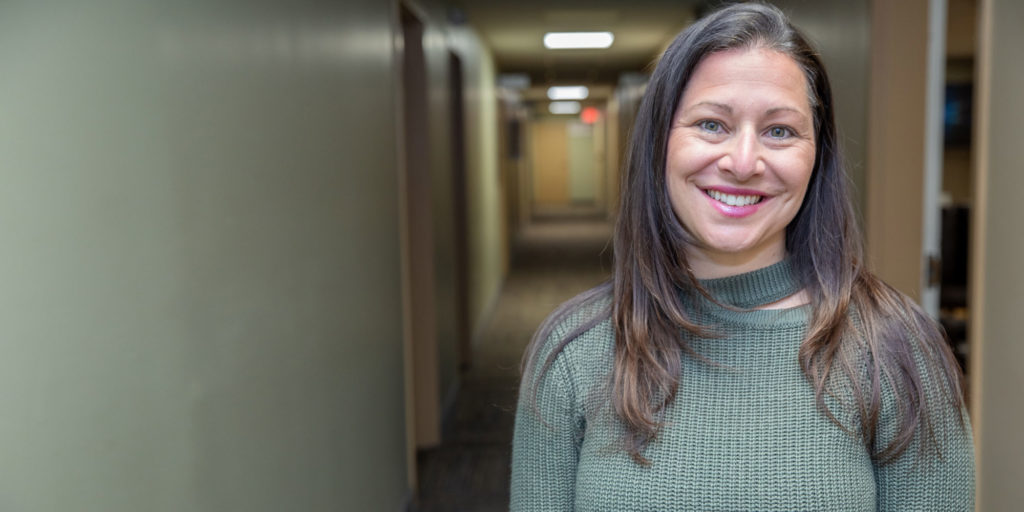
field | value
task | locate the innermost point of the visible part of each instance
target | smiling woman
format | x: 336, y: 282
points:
x: 741, y: 357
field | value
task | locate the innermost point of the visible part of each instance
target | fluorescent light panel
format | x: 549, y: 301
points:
x: 564, y: 107
x: 577, y: 40
x: 568, y: 92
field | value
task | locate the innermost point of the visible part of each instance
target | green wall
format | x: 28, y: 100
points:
x: 201, y: 305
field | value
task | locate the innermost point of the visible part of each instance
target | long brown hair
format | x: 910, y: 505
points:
x: 825, y: 251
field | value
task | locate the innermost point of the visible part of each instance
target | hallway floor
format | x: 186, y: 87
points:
x: 552, y: 261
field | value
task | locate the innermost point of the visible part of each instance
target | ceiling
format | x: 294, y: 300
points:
x: 514, y: 30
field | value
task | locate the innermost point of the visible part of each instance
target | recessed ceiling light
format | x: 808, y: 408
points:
x: 568, y: 92
x: 577, y: 40
x: 564, y: 107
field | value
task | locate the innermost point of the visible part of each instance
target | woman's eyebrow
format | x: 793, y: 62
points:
x: 716, y: 106
x: 728, y: 109
x: 776, y: 110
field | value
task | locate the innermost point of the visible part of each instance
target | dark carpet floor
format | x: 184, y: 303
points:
x: 551, y: 262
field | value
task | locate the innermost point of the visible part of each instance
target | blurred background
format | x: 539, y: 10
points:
x: 286, y: 255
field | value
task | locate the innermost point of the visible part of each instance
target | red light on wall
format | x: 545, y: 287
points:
x: 590, y: 115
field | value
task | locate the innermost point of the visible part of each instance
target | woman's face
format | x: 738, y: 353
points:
x: 740, y: 155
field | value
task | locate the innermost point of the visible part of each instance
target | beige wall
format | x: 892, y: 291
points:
x: 201, y: 297
x: 997, y: 278
x: 550, y: 157
x: 896, y: 139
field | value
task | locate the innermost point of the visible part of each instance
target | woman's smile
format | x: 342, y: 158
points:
x: 734, y: 202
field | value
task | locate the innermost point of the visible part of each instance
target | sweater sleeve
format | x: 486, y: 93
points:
x: 941, y: 477
x: 545, y: 447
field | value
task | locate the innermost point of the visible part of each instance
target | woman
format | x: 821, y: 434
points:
x: 741, y: 358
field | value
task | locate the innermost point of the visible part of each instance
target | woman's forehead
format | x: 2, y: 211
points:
x: 733, y: 78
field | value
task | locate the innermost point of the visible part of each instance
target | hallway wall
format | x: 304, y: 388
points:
x: 996, y: 277
x: 487, y: 236
x: 485, y: 257
x: 436, y: 51
x: 201, y: 305
x: 484, y: 225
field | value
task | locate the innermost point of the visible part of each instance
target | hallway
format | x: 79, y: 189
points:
x: 553, y: 260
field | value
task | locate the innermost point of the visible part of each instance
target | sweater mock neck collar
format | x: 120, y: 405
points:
x: 755, y: 288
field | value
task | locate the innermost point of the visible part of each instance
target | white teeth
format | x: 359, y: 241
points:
x: 732, y: 200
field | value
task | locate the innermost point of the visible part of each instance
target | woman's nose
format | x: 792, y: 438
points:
x: 743, y: 157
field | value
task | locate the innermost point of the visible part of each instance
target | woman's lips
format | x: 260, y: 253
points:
x: 734, y: 202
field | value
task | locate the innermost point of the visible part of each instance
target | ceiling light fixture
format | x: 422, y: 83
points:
x: 568, y: 92
x: 577, y: 40
x: 564, y: 107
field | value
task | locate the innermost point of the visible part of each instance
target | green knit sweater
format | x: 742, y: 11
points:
x: 744, y: 434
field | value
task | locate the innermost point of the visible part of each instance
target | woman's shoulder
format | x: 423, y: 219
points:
x: 885, y: 311
x: 577, y: 336
x: 588, y: 311
x: 892, y: 331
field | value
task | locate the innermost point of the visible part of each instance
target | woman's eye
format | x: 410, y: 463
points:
x: 778, y: 132
x: 709, y: 125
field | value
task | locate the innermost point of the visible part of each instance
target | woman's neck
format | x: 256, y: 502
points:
x: 713, y: 266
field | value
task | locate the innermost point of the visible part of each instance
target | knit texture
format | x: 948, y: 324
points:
x: 742, y: 434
